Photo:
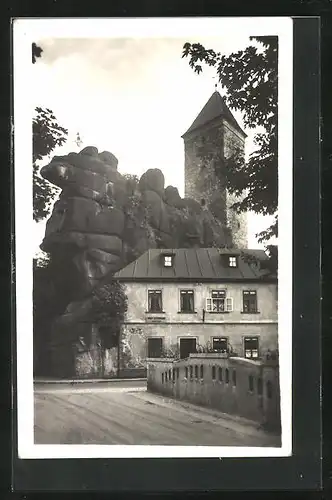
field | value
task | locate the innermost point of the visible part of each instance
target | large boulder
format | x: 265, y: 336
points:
x: 156, y: 211
x: 153, y: 180
x: 172, y: 197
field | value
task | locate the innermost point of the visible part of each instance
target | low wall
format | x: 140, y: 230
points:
x: 233, y: 385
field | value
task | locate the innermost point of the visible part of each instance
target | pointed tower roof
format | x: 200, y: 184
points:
x: 214, y: 108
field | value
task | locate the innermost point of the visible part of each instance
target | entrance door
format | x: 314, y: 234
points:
x: 187, y: 345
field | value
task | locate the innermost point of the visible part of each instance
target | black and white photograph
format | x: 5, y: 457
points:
x: 153, y: 209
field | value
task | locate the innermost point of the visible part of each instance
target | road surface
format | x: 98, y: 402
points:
x: 125, y: 413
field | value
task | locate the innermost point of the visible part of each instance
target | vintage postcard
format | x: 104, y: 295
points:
x: 153, y: 218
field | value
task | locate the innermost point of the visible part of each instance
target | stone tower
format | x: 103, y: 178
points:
x: 213, y: 137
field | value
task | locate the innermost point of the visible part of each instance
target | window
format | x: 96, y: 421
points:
x: 155, y: 301
x: 218, y: 302
x: 220, y: 374
x: 191, y: 371
x: 202, y: 371
x: 168, y: 260
x: 213, y: 372
x: 251, y: 383
x: 249, y: 301
x: 162, y: 378
x: 186, y: 372
x: 170, y: 375
x: 196, y: 371
x: 173, y: 373
x: 187, y: 301
x: 232, y: 261
x: 155, y: 346
x: 219, y: 344
x: 251, y: 347
x: 165, y: 376
x: 227, y: 376
x: 234, y: 378
x: 177, y: 372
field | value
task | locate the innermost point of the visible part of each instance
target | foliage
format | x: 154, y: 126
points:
x: 47, y: 135
x: 250, y: 78
x: 36, y: 52
x: 109, y: 305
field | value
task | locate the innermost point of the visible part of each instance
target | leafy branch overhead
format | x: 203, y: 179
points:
x: 250, y: 78
x: 36, y: 52
x: 47, y: 134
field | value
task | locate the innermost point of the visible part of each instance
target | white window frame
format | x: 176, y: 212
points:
x: 232, y: 261
x: 228, y: 302
x: 168, y: 260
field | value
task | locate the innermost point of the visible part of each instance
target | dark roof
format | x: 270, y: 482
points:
x: 214, y: 108
x: 195, y: 264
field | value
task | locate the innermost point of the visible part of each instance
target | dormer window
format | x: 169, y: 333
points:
x: 232, y: 261
x: 168, y: 260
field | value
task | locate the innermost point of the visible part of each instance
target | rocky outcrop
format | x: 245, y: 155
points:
x: 103, y: 220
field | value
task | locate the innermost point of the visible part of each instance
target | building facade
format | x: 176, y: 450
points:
x: 183, y: 301
x: 214, y: 137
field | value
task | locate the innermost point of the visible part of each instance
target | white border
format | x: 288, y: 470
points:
x: 25, y: 32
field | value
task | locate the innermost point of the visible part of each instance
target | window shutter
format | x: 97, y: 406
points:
x: 208, y: 305
x: 229, y: 304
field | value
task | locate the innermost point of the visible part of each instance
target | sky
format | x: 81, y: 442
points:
x: 134, y: 97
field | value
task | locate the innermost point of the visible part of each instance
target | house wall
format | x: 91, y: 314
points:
x: 171, y: 325
x: 234, y: 398
x: 137, y: 294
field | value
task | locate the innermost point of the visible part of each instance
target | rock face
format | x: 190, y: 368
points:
x: 103, y: 220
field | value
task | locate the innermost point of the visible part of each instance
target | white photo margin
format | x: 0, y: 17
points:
x: 27, y: 31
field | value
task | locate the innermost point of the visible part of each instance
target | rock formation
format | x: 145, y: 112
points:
x: 102, y: 220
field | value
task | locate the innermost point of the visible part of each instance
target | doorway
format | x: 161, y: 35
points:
x: 187, y: 346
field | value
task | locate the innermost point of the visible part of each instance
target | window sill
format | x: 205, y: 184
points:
x: 155, y: 312
x: 250, y: 312
x: 187, y: 312
x: 218, y: 312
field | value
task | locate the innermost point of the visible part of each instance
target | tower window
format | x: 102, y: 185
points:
x: 232, y: 261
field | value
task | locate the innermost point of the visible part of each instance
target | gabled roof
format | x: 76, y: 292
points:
x: 197, y: 265
x: 214, y: 108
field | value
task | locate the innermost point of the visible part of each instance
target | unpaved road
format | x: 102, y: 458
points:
x: 124, y: 413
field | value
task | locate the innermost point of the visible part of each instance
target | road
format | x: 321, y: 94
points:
x: 125, y: 413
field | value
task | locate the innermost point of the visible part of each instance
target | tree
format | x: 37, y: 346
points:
x: 250, y: 78
x: 36, y: 52
x: 47, y: 135
x: 109, y: 305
